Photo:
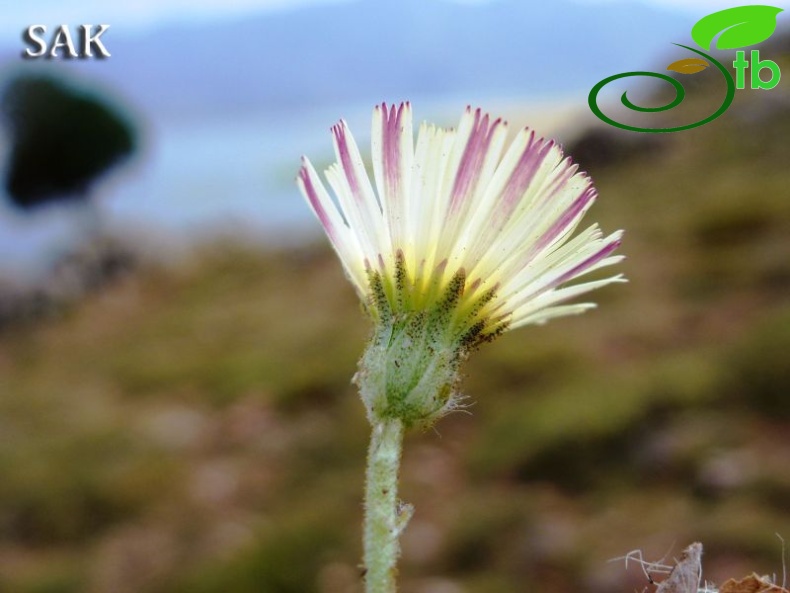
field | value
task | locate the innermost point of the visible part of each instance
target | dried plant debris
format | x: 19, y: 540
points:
x: 686, y: 575
x: 752, y: 584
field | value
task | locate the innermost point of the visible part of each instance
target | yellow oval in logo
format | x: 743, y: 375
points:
x: 688, y: 66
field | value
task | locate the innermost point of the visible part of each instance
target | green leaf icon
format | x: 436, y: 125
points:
x: 739, y: 26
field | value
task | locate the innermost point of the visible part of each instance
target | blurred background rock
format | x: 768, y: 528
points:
x: 61, y: 141
x: 175, y: 406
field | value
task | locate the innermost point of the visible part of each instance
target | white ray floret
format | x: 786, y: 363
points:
x: 456, y: 204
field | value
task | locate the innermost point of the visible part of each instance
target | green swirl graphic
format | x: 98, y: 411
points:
x: 680, y: 94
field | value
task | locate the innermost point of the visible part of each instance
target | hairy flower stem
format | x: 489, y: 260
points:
x: 385, y: 515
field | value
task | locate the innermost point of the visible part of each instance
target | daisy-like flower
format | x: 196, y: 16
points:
x: 458, y: 240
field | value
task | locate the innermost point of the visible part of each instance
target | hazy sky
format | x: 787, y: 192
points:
x: 143, y: 13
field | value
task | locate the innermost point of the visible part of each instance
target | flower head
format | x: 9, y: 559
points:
x: 459, y: 240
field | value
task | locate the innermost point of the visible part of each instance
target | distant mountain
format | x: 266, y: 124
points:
x: 368, y: 50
